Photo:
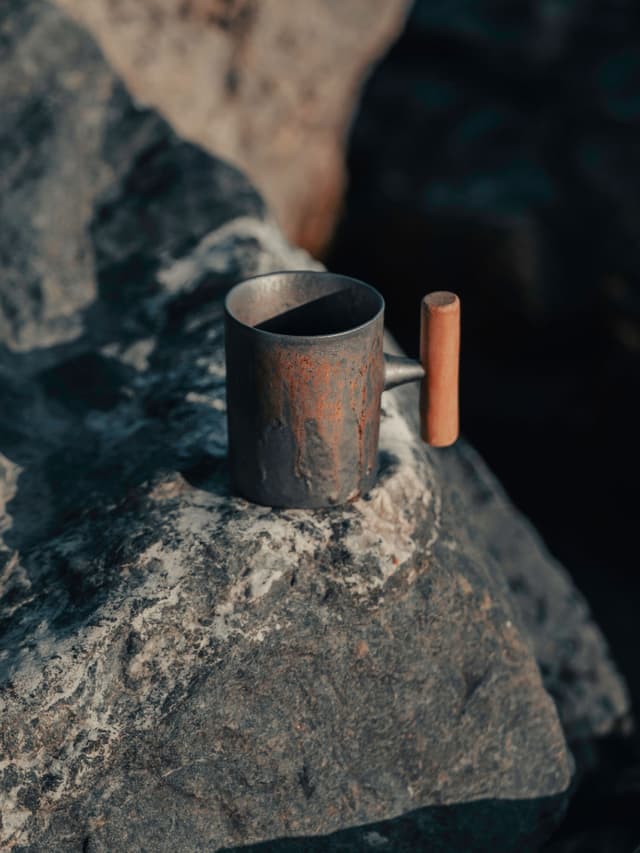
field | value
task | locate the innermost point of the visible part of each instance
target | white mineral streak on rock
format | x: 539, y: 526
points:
x: 216, y: 252
x: 389, y: 517
x: 216, y: 403
x: 15, y: 816
x: 9, y: 473
x: 135, y: 355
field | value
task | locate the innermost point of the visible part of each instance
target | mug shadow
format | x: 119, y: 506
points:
x: 326, y: 315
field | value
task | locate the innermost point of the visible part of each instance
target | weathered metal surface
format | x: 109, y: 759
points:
x: 399, y: 369
x: 305, y: 373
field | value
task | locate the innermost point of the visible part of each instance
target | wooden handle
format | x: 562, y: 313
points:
x: 440, y: 356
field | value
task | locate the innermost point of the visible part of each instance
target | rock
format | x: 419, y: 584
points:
x: 70, y: 132
x: 182, y: 670
x: 570, y: 650
x: 271, y: 87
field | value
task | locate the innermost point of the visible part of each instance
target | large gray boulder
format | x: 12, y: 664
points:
x: 181, y: 670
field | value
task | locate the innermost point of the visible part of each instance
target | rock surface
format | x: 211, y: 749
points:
x: 181, y: 670
x: 270, y: 86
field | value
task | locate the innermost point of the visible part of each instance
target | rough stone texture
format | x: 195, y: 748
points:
x: 567, y: 644
x: 181, y: 670
x: 270, y: 86
x: 69, y: 132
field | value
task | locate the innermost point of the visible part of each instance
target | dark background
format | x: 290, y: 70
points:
x: 497, y: 153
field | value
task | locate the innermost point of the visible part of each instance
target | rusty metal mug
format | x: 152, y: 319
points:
x: 305, y: 376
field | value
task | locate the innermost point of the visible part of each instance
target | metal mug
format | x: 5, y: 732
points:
x: 305, y: 375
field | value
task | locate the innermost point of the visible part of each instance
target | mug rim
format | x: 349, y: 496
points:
x: 299, y: 338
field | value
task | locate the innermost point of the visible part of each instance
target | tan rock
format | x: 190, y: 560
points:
x: 271, y: 86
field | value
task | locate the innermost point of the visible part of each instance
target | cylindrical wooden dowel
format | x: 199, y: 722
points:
x: 440, y: 355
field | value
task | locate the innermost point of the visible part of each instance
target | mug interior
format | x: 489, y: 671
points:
x: 304, y: 303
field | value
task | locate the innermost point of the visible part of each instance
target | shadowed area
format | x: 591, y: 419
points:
x: 484, y: 826
x: 328, y: 315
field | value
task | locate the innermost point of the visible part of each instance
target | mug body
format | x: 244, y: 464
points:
x: 305, y: 374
